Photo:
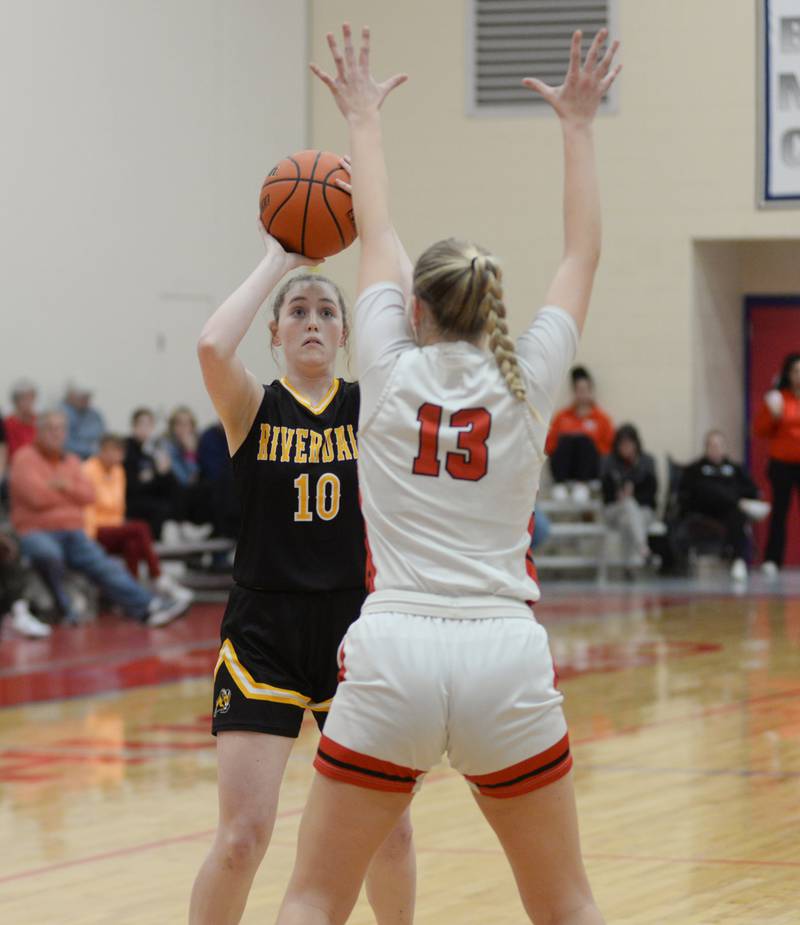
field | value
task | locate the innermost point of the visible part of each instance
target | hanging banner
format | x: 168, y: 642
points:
x: 779, y: 103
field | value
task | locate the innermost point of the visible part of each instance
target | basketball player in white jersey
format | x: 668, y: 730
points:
x: 447, y: 655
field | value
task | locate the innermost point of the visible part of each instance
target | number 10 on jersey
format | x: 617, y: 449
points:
x: 329, y: 491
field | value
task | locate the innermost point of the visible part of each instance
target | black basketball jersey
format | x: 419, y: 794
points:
x: 296, y: 475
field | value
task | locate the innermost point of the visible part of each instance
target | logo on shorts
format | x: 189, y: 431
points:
x: 223, y: 703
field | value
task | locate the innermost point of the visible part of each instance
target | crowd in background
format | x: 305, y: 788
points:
x: 78, y: 498
x: 710, y: 502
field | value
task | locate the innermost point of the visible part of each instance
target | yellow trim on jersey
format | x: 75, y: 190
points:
x: 257, y: 690
x: 314, y: 409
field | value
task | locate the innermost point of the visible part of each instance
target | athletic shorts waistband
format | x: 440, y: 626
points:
x: 473, y: 607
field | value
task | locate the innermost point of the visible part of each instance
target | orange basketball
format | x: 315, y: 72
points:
x: 303, y: 208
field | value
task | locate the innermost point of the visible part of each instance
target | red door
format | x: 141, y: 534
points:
x: 772, y: 331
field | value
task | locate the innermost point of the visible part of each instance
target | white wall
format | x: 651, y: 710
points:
x: 677, y: 164
x: 136, y: 134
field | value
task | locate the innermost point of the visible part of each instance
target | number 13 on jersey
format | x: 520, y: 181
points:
x: 471, y: 463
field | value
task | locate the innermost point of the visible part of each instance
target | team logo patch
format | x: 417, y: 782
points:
x: 223, y: 703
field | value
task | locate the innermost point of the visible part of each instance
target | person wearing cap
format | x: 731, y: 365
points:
x: 85, y: 424
x: 20, y: 426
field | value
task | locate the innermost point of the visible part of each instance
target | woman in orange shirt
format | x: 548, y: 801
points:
x: 105, y: 518
x: 778, y: 420
x: 579, y: 437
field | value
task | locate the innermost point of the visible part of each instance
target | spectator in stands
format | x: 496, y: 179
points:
x: 3, y: 460
x: 85, y: 424
x: 13, y: 579
x: 213, y: 457
x: 579, y: 437
x: 778, y: 420
x: 152, y: 490
x: 181, y: 443
x: 195, y: 507
x: 711, y: 494
x: 20, y: 425
x: 629, y: 494
x: 105, y: 517
x: 49, y: 493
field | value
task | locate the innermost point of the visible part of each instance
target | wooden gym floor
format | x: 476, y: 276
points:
x: 684, y: 711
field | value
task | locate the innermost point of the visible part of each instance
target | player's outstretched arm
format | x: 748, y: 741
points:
x: 233, y: 389
x: 576, y: 102
x: 359, y: 98
x: 406, y: 266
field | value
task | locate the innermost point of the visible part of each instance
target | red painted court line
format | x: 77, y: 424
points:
x: 124, y: 852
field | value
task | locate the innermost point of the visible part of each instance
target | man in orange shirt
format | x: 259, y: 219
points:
x: 105, y: 517
x: 48, y: 495
x: 778, y: 420
x: 580, y: 435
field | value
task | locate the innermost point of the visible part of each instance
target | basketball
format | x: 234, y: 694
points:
x: 303, y: 208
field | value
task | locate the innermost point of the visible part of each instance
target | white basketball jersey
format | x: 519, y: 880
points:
x: 450, y: 461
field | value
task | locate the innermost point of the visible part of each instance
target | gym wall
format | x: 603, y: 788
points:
x: 677, y: 164
x: 136, y: 136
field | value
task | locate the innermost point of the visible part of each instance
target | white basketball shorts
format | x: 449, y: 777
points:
x: 413, y: 688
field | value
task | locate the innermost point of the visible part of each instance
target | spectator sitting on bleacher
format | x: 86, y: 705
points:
x: 20, y: 425
x: 48, y: 495
x: 13, y: 579
x: 85, y: 425
x: 711, y: 493
x: 216, y: 471
x: 180, y: 442
x: 629, y: 494
x: 3, y: 461
x: 580, y: 435
x: 151, y: 491
x: 105, y: 517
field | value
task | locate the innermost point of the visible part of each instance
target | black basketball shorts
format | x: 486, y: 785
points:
x: 278, y: 658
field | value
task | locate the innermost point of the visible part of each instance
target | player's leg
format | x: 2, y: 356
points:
x: 539, y: 834
x: 250, y: 770
x: 342, y: 827
x: 392, y: 876
x: 508, y: 736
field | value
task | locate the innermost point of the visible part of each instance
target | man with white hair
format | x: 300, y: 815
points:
x: 85, y: 424
x: 49, y: 492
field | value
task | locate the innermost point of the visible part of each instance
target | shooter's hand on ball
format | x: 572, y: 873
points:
x: 577, y: 99
x: 354, y: 88
x: 276, y: 253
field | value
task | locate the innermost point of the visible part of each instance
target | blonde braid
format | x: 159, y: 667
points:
x: 493, y: 310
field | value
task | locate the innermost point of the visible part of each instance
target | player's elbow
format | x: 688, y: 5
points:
x: 209, y: 349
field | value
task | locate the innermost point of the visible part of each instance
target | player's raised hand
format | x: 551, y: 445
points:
x: 354, y: 88
x: 578, y: 98
x: 275, y: 250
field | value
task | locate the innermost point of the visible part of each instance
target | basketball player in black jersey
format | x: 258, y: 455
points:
x: 299, y: 573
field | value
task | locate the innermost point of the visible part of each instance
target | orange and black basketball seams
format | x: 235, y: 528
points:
x: 304, y: 209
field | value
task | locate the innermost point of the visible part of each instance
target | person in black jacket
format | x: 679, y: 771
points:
x: 629, y: 493
x: 711, y: 490
x: 151, y: 490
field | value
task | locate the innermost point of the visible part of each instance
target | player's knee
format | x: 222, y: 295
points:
x: 399, y: 841
x: 244, y: 843
x: 572, y: 906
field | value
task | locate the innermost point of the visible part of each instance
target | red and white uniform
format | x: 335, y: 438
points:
x: 447, y: 656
